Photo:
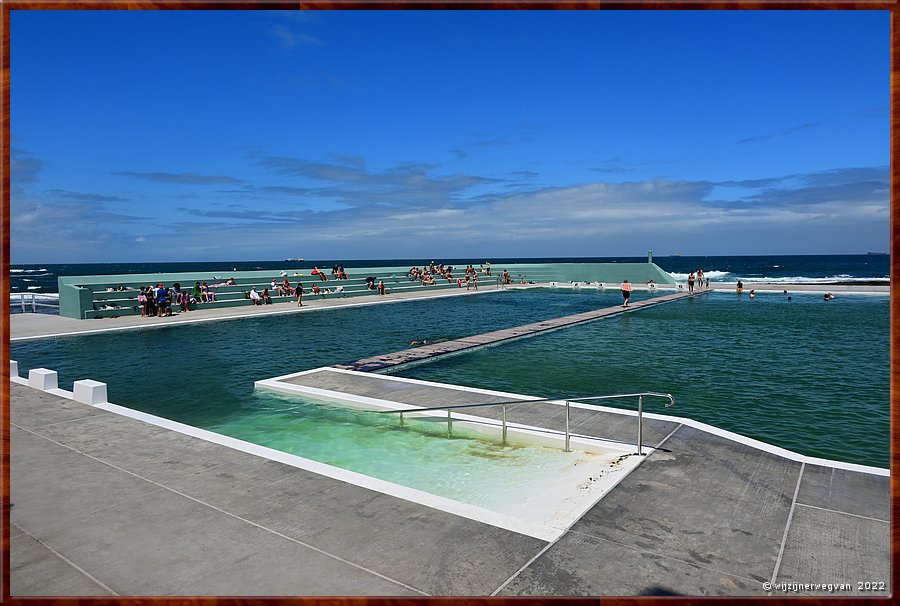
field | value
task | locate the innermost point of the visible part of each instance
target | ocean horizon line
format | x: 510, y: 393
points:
x: 467, y: 258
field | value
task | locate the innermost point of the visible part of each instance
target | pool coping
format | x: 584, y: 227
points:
x: 543, y: 531
x: 712, y: 429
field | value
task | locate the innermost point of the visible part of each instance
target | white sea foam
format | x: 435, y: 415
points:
x: 806, y: 279
x: 27, y: 271
x: 724, y: 276
x: 712, y: 274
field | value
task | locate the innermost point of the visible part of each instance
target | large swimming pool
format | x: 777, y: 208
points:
x: 807, y: 375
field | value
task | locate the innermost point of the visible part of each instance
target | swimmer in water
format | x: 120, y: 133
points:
x: 425, y: 342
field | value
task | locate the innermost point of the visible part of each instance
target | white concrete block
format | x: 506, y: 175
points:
x: 88, y: 391
x: 13, y: 368
x: 42, y: 378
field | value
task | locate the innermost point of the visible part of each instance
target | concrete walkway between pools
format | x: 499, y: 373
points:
x: 104, y: 504
x: 430, y: 351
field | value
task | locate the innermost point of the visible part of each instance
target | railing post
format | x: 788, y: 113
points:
x: 567, y: 427
x: 640, y: 424
x: 504, y: 423
x: 449, y: 424
x: 33, y: 306
x: 22, y: 299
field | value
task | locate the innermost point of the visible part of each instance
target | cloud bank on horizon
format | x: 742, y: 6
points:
x: 267, y: 135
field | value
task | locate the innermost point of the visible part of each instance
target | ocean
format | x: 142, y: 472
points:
x: 41, y: 278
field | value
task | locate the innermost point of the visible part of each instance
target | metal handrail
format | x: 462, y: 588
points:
x: 34, y: 303
x: 638, y: 395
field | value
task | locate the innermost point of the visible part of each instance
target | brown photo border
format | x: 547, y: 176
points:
x: 8, y: 5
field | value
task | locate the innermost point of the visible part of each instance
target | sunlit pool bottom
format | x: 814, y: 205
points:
x: 529, y: 485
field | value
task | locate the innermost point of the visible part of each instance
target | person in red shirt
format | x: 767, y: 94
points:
x: 626, y: 292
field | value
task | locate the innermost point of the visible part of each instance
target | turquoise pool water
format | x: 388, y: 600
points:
x: 806, y: 375
x: 466, y: 467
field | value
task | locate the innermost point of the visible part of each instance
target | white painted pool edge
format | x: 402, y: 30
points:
x: 544, y: 532
x: 722, y: 433
x: 532, y: 434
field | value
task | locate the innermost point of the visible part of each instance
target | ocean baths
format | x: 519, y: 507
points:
x: 666, y: 433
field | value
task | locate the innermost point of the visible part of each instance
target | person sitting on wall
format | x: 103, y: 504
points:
x: 254, y: 296
x: 370, y: 282
x: 340, y: 290
x: 209, y: 295
x: 266, y: 297
x: 181, y: 298
x: 316, y: 290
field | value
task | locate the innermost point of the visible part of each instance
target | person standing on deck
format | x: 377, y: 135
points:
x: 626, y: 292
x: 691, y: 282
x: 299, y: 292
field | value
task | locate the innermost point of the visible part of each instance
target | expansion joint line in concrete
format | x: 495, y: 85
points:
x: 844, y: 513
x: 787, y: 527
x: 553, y: 542
x: 67, y: 561
x: 237, y: 517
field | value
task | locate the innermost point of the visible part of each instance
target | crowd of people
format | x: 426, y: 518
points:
x: 431, y: 273
x: 337, y: 273
x: 157, y: 301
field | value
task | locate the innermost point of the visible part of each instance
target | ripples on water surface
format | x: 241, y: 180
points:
x: 806, y: 375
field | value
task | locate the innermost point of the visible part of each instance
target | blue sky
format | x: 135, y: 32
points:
x: 251, y: 135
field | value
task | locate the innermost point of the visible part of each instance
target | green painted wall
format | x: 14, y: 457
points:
x: 76, y: 292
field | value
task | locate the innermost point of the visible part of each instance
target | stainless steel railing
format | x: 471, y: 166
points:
x: 48, y: 300
x: 450, y: 407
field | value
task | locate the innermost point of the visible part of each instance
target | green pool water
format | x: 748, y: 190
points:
x: 806, y: 375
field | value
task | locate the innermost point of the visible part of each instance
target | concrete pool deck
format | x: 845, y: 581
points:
x: 109, y: 505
